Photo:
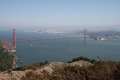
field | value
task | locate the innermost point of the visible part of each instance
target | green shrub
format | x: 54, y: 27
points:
x: 33, y: 66
x: 6, y: 60
x: 82, y: 58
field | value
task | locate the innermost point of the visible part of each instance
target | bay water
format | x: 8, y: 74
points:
x: 61, y: 50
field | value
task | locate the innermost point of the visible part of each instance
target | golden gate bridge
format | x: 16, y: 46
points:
x: 40, y: 39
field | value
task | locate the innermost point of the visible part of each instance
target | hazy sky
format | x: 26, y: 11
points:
x: 91, y: 14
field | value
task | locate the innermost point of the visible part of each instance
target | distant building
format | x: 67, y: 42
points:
x: 100, y: 38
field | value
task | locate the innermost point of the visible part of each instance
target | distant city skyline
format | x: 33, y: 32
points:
x: 64, y: 14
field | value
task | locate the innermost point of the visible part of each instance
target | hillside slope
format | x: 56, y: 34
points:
x: 79, y: 70
x: 6, y: 60
x: 34, y: 69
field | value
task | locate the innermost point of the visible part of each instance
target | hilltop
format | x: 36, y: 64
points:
x: 78, y: 70
x: 40, y: 70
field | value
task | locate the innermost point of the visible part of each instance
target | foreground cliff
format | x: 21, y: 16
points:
x: 79, y: 70
x: 8, y: 59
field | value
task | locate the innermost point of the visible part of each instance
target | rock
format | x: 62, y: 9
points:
x: 81, y: 63
x: 12, y: 75
x: 44, y: 69
x: 57, y: 65
x: 6, y: 45
x: 50, y: 67
x: 5, y: 76
x: 17, y: 74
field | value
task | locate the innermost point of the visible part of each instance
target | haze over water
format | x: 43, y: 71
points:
x: 65, y: 14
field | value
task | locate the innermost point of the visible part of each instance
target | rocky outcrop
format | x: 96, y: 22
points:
x: 6, y: 45
x: 81, y: 63
x: 52, y: 66
x: 13, y: 75
x: 49, y: 68
x: 8, y: 49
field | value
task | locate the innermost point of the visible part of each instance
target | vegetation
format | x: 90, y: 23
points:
x: 31, y: 66
x: 82, y: 58
x: 6, y: 59
x: 102, y: 70
x: 33, y: 76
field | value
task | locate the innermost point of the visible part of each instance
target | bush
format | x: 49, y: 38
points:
x: 33, y: 66
x: 103, y: 70
x: 6, y: 60
x: 82, y: 58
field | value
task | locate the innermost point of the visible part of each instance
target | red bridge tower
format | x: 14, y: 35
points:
x: 14, y: 39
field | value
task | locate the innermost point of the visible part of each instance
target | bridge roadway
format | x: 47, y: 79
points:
x: 40, y: 39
